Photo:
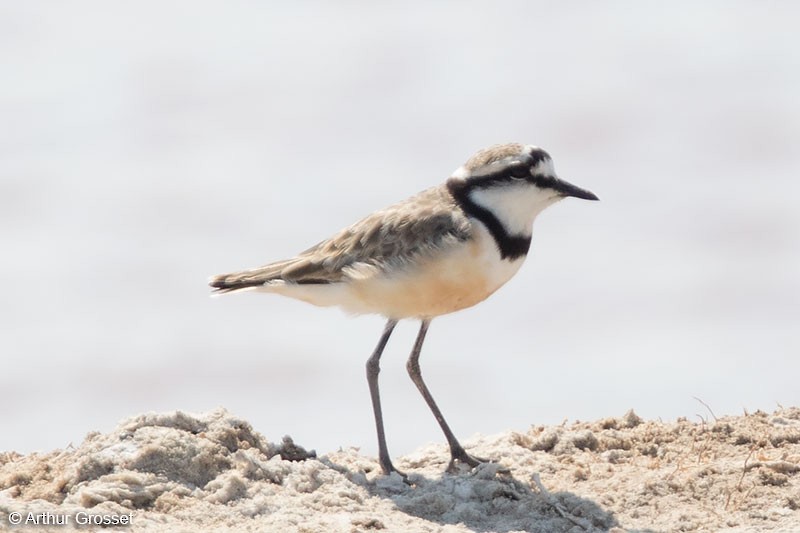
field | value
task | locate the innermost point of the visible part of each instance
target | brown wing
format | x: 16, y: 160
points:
x: 396, y: 235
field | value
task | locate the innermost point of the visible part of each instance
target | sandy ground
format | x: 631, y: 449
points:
x: 183, y: 472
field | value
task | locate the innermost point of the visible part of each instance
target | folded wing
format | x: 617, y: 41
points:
x: 391, y: 238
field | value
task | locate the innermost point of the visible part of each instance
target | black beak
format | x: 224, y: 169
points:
x: 568, y: 189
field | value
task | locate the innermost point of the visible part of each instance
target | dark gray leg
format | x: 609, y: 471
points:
x: 457, y: 452
x: 373, y: 369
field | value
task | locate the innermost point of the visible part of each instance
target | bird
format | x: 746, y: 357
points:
x: 442, y: 250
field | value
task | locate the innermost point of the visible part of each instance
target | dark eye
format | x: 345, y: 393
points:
x: 519, y: 172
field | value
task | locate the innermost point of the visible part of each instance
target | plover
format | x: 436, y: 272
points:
x: 442, y: 250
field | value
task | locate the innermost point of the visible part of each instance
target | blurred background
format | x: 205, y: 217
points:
x: 146, y: 146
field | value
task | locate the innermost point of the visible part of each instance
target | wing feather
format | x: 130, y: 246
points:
x: 392, y: 237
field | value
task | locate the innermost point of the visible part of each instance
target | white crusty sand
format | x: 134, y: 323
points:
x: 212, y: 472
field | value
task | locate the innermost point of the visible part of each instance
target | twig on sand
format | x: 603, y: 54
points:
x: 707, y: 407
x: 741, y: 478
x: 578, y: 521
x: 744, y: 468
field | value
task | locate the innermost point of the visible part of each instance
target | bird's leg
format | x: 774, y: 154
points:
x: 457, y: 452
x: 373, y: 369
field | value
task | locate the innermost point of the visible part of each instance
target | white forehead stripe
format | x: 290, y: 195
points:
x: 460, y: 172
x: 545, y: 166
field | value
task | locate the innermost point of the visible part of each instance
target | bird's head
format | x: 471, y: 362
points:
x: 515, y: 182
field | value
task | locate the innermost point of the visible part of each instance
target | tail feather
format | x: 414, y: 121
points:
x: 298, y: 270
x: 247, y: 279
x: 224, y: 283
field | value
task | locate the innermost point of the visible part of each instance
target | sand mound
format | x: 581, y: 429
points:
x: 182, y: 472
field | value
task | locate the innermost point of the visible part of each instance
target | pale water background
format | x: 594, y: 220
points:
x: 146, y: 146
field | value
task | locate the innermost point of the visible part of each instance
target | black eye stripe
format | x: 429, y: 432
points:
x: 520, y: 171
x: 493, y: 176
x: 508, y: 174
x: 511, y: 169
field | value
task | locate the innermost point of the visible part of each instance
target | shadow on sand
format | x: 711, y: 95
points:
x: 488, y: 500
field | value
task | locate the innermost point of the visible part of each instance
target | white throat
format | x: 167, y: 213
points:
x: 515, y: 205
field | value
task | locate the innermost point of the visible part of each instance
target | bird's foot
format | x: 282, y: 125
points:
x: 460, y: 457
x: 388, y: 468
